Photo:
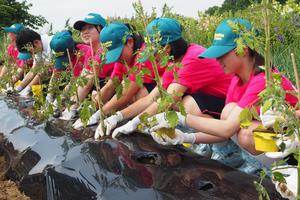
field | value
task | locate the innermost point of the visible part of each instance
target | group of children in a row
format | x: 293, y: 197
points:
x: 217, y: 83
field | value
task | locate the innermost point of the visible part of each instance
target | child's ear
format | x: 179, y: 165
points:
x: 168, y: 49
x: 130, y: 42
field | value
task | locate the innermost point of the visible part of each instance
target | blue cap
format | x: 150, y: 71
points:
x: 91, y: 18
x: 117, y: 34
x: 169, y: 29
x: 24, y: 56
x: 15, y: 28
x: 59, y: 44
x: 225, y: 38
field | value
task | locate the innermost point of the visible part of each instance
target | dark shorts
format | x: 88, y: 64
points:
x: 149, y: 86
x: 209, y: 104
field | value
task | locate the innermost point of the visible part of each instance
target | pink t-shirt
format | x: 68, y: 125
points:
x: 13, y: 52
x: 247, y: 94
x: 106, y: 69
x: 120, y: 70
x: 199, y: 75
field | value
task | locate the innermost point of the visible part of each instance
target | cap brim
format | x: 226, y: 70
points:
x: 9, y: 29
x: 113, y: 55
x: 216, y: 51
x: 79, y: 24
x: 24, y: 56
x: 61, y: 62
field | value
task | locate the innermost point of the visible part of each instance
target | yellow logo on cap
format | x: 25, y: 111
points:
x: 90, y: 17
x: 219, y: 36
x: 58, y: 54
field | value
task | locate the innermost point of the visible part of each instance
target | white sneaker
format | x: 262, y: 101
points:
x: 26, y: 91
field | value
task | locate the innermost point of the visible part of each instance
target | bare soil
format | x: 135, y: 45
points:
x: 9, y: 189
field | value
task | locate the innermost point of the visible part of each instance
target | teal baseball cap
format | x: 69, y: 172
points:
x: 91, y: 18
x: 24, y: 56
x: 170, y: 30
x: 15, y: 28
x: 225, y: 38
x: 117, y: 34
x: 60, y: 43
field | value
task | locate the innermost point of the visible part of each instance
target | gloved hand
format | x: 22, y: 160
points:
x: 290, y: 145
x: 8, y: 87
x: 26, y: 91
x: 179, y: 138
x: 289, y: 189
x: 110, y: 123
x: 164, y: 123
x: 127, y: 128
x: 68, y: 114
x: 269, y: 117
x: 49, y: 98
x: 94, y: 119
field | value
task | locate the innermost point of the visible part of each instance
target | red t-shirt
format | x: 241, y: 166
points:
x: 247, y: 94
x: 106, y: 69
x: 199, y: 75
x: 120, y: 69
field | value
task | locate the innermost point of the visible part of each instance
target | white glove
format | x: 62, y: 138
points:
x: 290, y: 145
x: 49, y: 98
x: 289, y: 189
x: 179, y: 138
x: 26, y: 91
x: 8, y: 87
x: 94, y: 119
x: 127, y: 128
x: 269, y: 117
x: 164, y: 123
x: 110, y: 123
x: 55, y: 104
x: 18, y: 88
x: 68, y: 114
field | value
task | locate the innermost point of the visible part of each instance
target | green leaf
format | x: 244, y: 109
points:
x: 278, y: 177
x: 254, y: 113
x: 172, y: 118
x: 266, y: 106
x: 181, y: 108
x: 139, y: 80
x: 240, y: 46
x: 245, y: 118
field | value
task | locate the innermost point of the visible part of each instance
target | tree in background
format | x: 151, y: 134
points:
x: 12, y: 11
x: 235, y: 5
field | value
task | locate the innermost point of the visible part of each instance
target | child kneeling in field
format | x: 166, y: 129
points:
x: 13, y: 52
x: 90, y: 28
x: 30, y: 42
x: 68, y: 56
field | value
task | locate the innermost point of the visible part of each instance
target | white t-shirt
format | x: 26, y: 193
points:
x: 44, y: 57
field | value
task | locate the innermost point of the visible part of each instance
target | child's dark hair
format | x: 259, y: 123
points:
x: 137, y: 38
x: 97, y: 28
x: 259, y: 60
x: 26, y: 37
x: 178, y: 48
